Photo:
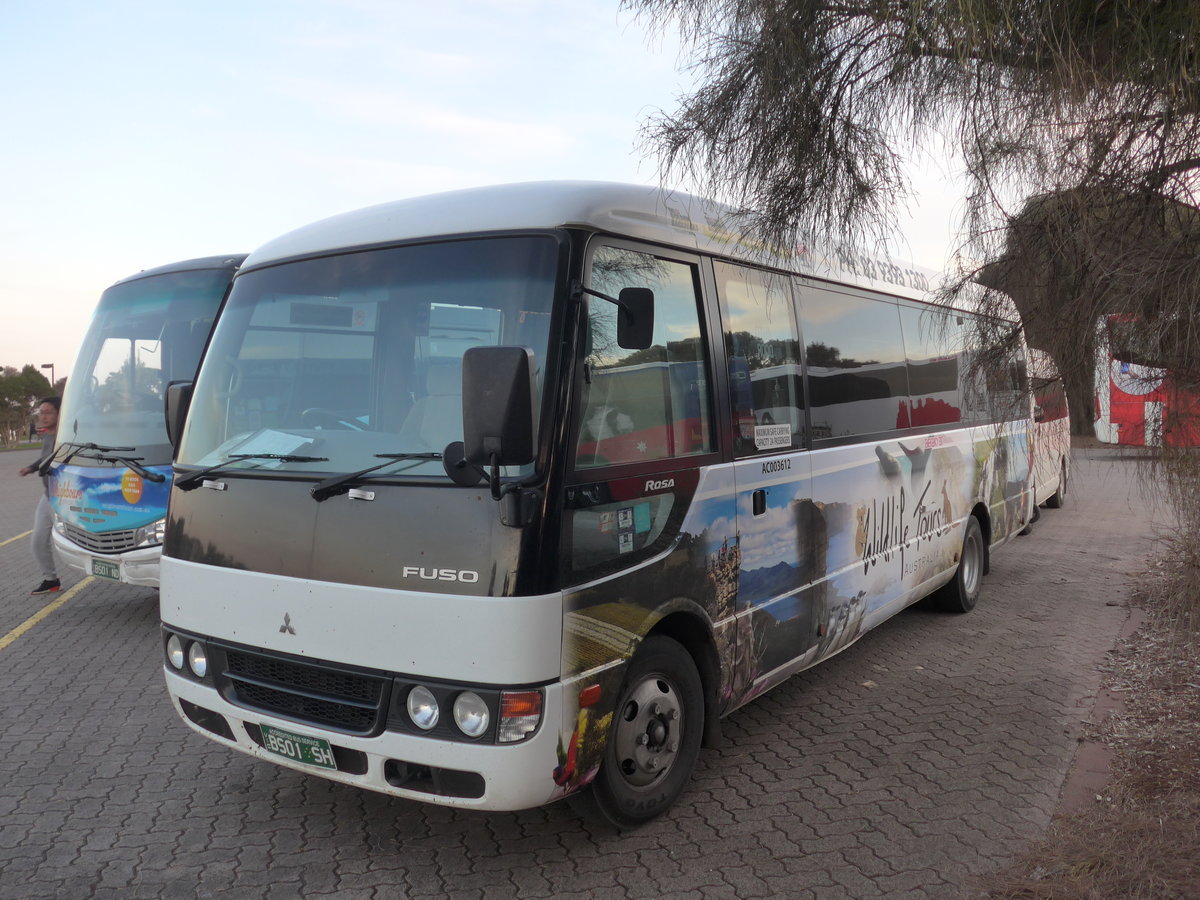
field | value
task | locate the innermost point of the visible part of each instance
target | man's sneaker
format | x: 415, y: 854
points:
x: 46, y: 587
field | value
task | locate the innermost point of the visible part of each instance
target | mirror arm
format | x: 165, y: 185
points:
x: 613, y: 300
x: 494, y: 478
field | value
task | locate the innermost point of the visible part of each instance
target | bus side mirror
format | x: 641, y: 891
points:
x: 175, y: 408
x: 635, y: 318
x: 497, y: 391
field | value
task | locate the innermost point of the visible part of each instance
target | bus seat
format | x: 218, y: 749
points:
x: 436, y: 417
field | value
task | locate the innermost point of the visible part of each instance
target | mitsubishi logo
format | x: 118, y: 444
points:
x: 286, y: 627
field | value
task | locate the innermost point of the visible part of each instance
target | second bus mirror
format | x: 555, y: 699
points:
x: 635, y: 318
x: 175, y: 408
x: 497, y: 392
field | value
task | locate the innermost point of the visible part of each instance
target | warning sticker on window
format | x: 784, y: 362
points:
x: 772, y: 437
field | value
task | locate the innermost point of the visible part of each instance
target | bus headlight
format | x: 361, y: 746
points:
x: 423, y: 708
x: 60, y: 524
x: 175, y: 652
x: 152, y: 534
x: 197, y: 658
x: 471, y: 714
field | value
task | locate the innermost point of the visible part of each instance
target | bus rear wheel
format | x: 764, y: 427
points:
x: 655, y: 736
x: 1059, y: 497
x: 962, y: 593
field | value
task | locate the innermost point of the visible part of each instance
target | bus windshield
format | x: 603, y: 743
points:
x: 146, y: 333
x: 350, y: 357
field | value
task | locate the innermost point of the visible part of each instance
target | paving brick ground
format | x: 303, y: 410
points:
x: 926, y: 754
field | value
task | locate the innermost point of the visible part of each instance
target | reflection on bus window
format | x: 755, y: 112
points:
x: 764, y: 359
x: 933, y: 344
x: 644, y: 405
x: 857, y: 380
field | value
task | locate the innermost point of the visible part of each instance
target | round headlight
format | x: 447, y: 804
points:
x: 471, y: 714
x: 175, y: 651
x: 197, y: 659
x: 422, y: 708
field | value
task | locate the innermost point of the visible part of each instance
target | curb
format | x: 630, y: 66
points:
x: 1092, y: 766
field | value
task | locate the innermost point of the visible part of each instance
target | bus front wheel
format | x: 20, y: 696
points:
x: 962, y: 593
x: 655, y: 737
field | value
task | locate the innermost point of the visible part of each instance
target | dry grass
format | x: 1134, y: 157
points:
x: 1142, y: 837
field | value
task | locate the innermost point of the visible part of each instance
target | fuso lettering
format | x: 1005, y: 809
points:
x: 465, y: 576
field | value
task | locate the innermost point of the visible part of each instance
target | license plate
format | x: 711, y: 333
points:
x: 106, y: 569
x: 308, y: 750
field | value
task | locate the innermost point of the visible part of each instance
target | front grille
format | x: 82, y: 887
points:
x: 103, y: 542
x: 319, y: 694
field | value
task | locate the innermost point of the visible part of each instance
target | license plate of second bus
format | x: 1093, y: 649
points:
x: 309, y: 750
x: 106, y: 569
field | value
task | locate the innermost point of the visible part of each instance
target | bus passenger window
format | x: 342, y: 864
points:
x: 644, y: 405
x: 932, y: 344
x: 857, y: 379
x: 764, y: 359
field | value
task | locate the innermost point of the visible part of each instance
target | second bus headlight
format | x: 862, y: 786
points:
x: 471, y: 714
x: 152, y: 534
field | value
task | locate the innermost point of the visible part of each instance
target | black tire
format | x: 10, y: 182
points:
x: 1059, y: 497
x: 962, y: 593
x: 655, y: 738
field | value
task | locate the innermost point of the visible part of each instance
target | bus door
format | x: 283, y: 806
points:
x: 640, y: 485
x: 779, y: 548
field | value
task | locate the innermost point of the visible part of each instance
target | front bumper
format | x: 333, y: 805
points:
x: 498, y: 777
x: 138, y: 567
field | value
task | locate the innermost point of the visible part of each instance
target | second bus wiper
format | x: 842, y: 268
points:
x: 77, y: 448
x: 192, y: 479
x: 133, y: 462
x: 339, y: 484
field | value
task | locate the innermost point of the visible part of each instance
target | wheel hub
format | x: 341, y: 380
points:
x: 647, y: 736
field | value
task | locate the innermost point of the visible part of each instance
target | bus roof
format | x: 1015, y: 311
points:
x: 228, y: 261
x: 669, y: 218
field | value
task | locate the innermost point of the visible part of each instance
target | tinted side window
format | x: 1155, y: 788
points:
x: 644, y: 405
x: 1047, y: 386
x: 857, y: 380
x: 932, y: 338
x: 764, y: 359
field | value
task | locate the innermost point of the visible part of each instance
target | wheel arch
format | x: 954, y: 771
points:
x: 980, y: 512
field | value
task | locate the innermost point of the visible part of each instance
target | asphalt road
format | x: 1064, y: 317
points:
x: 925, y: 755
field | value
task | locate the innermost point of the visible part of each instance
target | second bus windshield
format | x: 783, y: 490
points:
x: 146, y: 333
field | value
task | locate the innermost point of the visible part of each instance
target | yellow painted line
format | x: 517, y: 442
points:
x: 17, y: 538
x: 43, y: 612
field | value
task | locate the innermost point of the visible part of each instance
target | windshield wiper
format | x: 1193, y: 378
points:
x: 77, y: 448
x: 133, y: 462
x: 339, y: 484
x: 192, y: 479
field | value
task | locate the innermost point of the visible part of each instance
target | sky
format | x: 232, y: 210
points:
x: 143, y: 132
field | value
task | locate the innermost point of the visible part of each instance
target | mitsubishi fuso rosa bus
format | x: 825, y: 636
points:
x: 502, y: 495
x: 111, y: 472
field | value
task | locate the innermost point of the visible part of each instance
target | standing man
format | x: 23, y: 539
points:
x: 43, y: 519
